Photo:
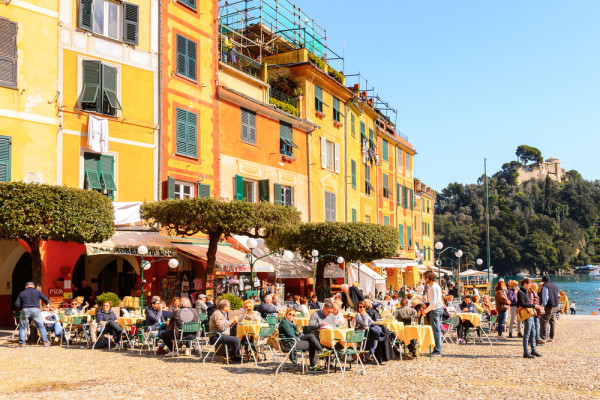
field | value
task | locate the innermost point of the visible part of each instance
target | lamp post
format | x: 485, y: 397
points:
x: 439, y: 246
x: 145, y: 265
x: 252, y: 259
x: 315, y: 259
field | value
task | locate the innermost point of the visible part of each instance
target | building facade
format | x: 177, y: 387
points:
x: 425, y: 198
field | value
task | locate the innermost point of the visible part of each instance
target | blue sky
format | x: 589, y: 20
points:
x: 475, y: 79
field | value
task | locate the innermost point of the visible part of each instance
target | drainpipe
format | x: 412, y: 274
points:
x: 160, y: 105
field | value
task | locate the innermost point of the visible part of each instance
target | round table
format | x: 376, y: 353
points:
x: 244, y: 329
x: 67, y: 318
x: 423, y: 334
x: 474, y: 318
x: 122, y: 321
x: 396, y: 327
x: 327, y: 336
x: 300, y: 322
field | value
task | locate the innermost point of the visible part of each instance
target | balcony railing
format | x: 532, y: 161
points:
x: 241, y: 62
x: 286, y: 98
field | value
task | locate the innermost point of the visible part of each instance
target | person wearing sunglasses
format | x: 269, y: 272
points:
x: 289, y: 330
x: 364, y: 322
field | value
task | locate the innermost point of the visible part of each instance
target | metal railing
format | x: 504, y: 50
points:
x: 284, y: 97
x: 241, y: 62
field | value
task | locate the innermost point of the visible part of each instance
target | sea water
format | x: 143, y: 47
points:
x: 581, y: 288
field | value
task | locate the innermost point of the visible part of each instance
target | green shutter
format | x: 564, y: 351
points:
x: 91, y: 83
x: 5, y: 150
x: 263, y: 190
x: 353, y: 215
x: 362, y: 129
x: 384, y: 149
x: 170, y: 188
x: 8, y: 53
x: 404, y: 197
x: 85, y: 15
x: 109, y: 89
x: 191, y: 137
x: 203, y: 191
x: 189, y: 3
x: 397, y: 194
x: 191, y: 62
x: 107, y: 165
x: 130, y: 23
x: 180, y: 131
x: 352, y: 124
x: 278, y: 200
x: 181, y: 44
x: 353, y: 169
x: 239, y: 187
x: 386, y: 220
x: 401, y: 235
x: 91, y: 166
x: 409, y: 236
x: 412, y: 199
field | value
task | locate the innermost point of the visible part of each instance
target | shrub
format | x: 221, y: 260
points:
x: 236, y: 302
x: 113, y: 298
x: 288, y: 108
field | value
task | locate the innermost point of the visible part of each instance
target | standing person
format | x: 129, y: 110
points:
x: 523, y: 301
x: 550, y: 304
x: 573, y: 307
x: 351, y: 295
x: 535, y: 299
x: 28, y: 302
x: 435, y: 310
x: 563, y: 301
x: 513, y: 289
x: 502, y: 307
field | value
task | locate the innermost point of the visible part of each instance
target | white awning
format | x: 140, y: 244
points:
x: 228, y: 258
x: 394, y: 263
x: 333, y: 270
x: 472, y: 272
x: 368, y: 279
x: 127, y: 243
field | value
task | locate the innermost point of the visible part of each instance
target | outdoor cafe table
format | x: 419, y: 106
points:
x: 327, y: 336
x: 396, y: 327
x: 67, y: 318
x: 423, y: 334
x: 124, y: 321
x: 474, y: 318
x: 302, y: 321
x: 244, y: 329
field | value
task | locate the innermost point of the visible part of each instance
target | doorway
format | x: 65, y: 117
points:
x: 22, y: 273
x: 117, y: 280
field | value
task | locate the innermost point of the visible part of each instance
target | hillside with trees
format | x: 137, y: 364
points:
x: 541, y: 226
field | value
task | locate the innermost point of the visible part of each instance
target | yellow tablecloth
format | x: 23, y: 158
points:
x: 394, y: 326
x: 300, y: 322
x: 128, y: 321
x: 67, y: 318
x: 474, y: 318
x: 243, y: 329
x: 311, y: 312
x: 423, y: 334
x: 327, y: 336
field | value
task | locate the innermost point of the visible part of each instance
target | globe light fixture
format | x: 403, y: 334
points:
x: 173, y: 263
x: 315, y: 253
x: 288, y: 255
x: 251, y: 243
x: 340, y: 260
x: 479, y: 261
x: 146, y: 265
x: 439, y: 246
x: 142, y: 250
x: 459, y: 254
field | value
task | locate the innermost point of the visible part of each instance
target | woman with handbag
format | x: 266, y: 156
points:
x: 525, y: 312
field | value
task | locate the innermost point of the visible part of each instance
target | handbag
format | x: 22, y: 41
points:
x: 525, y: 313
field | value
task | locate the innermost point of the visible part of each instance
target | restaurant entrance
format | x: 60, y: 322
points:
x: 21, y: 275
x: 118, y: 276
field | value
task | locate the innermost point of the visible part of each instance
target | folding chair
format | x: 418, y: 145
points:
x: 486, y: 328
x: 293, y: 351
x: 186, y: 329
x: 79, y: 326
x: 369, y: 336
x: 260, y: 342
x: 214, y: 347
x: 353, y: 339
x: 272, y: 320
x: 17, y: 319
x: 447, y: 332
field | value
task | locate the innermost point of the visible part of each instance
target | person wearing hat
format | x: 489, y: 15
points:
x: 200, y: 304
x: 28, y: 302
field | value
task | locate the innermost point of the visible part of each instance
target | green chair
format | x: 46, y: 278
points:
x: 79, y: 327
x: 17, y: 318
x: 352, y: 346
x: 272, y: 320
x: 188, y: 328
x: 258, y: 343
x: 215, y: 346
x: 288, y: 347
x: 486, y: 328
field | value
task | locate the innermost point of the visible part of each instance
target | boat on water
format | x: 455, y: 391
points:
x: 595, y: 272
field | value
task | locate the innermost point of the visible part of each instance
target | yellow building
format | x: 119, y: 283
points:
x: 424, y: 208
x: 107, y: 95
x: 28, y: 91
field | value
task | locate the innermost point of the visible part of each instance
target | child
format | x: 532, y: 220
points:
x: 573, y: 307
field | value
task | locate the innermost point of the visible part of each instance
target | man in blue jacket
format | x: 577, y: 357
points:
x: 28, y: 302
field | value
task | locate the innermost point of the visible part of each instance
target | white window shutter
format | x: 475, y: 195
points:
x: 323, y: 152
x: 337, y: 157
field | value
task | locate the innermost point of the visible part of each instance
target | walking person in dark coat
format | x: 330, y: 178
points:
x: 28, y: 302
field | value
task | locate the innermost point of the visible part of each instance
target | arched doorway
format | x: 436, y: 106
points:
x: 21, y: 275
x: 120, y: 283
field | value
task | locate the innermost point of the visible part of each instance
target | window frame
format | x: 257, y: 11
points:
x: 184, y: 184
x: 10, y: 59
x: 190, y: 138
x: 250, y: 125
x: 250, y: 183
x: 353, y: 177
x: 104, y: 178
x: 319, y: 103
x: 106, y: 19
x: 102, y: 100
x: 186, y: 72
x: 386, y: 183
x: 331, y: 212
x: 368, y: 186
x: 337, y: 113
x: 286, y: 139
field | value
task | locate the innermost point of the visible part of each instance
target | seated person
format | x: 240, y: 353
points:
x: 266, y: 307
x: 314, y: 304
x: 155, y: 318
x: 466, y: 306
x: 304, y: 306
x: 318, y: 320
x: 336, y: 318
x: 107, y: 315
x: 201, y: 304
x: 249, y: 314
x: 175, y: 304
x: 405, y: 313
x: 297, y: 305
x: 289, y: 329
x: 373, y: 313
x: 220, y: 322
x: 478, y: 306
x: 51, y: 321
x: 76, y: 307
x: 364, y: 322
x: 277, y: 302
x: 184, y: 313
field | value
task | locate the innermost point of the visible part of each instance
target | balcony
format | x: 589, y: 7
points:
x: 284, y: 102
x: 241, y: 62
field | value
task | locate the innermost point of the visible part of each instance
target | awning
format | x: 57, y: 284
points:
x: 394, y: 263
x: 127, y: 243
x: 228, y: 258
x: 472, y: 272
x: 298, y: 267
x: 368, y: 279
x: 333, y: 270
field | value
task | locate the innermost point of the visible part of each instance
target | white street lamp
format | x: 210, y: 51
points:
x: 439, y: 246
x: 288, y: 255
x: 458, y: 254
x: 340, y: 260
x: 479, y: 261
x: 251, y: 243
x: 173, y: 263
x: 146, y: 265
x: 315, y: 253
x: 142, y: 250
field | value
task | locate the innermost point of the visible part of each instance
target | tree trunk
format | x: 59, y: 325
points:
x: 211, y: 254
x: 320, y: 279
x: 36, y: 261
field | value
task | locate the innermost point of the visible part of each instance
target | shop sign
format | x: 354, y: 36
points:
x: 97, y: 250
x: 235, y: 268
x: 56, y: 292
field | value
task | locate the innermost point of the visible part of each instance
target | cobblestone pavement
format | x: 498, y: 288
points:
x: 569, y: 369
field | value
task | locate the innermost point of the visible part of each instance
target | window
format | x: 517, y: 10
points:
x: 319, y: 99
x: 99, y: 173
x: 368, y: 186
x: 412, y: 199
x: 284, y: 195
x: 184, y: 190
x: 399, y: 156
x: 186, y: 57
x: 118, y: 21
x: 367, y: 219
x: 409, y: 237
x: 354, y: 215
x: 8, y: 53
x: 203, y: 190
x: 336, y: 110
x: 329, y: 206
x: 99, y: 93
x: 190, y: 3
x: 352, y: 124
x: 186, y: 133
x: 248, y: 126
x: 386, y: 189
x: 371, y: 139
x: 401, y: 235
x: 404, y: 197
x: 407, y: 161
x: 363, y: 135
x: 353, y: 169
x: 384, y: 150
x: 397, y: 194
x: 386, y: 220
x: 245, y: 189
x: 286, y: 143
x: 5, y: 151
x: 330, y: 155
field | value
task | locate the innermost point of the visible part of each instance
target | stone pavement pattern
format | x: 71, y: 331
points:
x: 567, y: 370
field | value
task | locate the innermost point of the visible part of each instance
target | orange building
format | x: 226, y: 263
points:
x: 189, y: 140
